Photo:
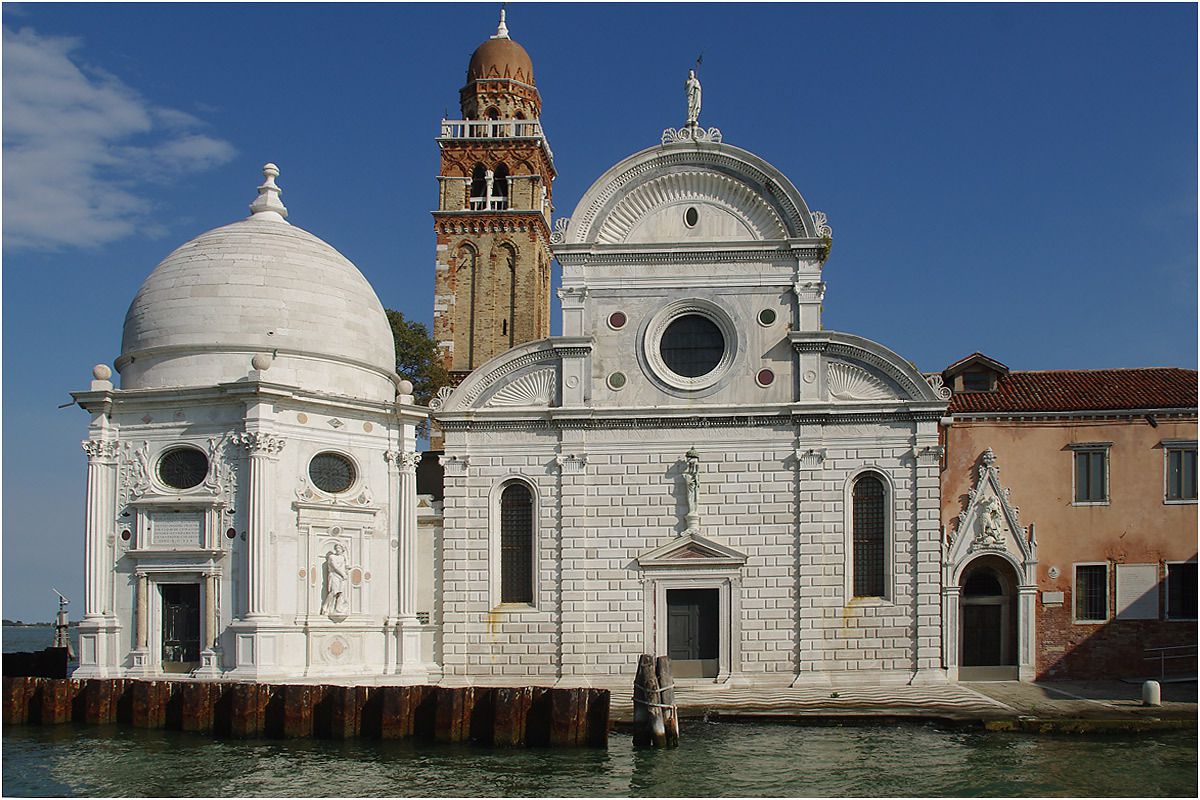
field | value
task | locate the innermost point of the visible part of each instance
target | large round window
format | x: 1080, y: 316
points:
x: 183, y: 468
x: 692, y: 346
x: 331, y: 472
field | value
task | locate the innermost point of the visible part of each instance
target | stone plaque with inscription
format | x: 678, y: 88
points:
x: 177, y: 530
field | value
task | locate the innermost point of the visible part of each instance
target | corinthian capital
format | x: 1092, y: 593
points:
x: 259, y: 442
x: 402, y: 459
x: 100, y: 449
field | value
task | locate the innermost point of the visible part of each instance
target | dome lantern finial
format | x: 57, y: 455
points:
x: 502, y: 28
x: 268, y: 206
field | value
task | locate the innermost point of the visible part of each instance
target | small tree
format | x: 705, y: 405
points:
x: 417, y: 357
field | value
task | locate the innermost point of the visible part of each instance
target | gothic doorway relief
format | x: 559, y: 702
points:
x: 989, y: 585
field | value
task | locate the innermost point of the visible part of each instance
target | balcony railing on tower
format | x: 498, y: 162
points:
x: 491, y: 129
x: 481, y: 129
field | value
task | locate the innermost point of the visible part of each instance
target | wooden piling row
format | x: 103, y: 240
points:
x: 510, y: 717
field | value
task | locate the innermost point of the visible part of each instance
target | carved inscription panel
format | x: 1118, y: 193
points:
x: 177, y: 530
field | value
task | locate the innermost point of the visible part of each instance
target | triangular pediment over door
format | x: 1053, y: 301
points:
x: 691, y: 551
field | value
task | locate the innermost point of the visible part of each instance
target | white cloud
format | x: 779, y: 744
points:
x: 77, y: 144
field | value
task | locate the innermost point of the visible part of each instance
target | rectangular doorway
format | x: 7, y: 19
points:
x: 180, y: 626
x: 694, y: 632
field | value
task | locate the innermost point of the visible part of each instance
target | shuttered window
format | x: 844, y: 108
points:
x: 516, y: 544
x: 869, y: 537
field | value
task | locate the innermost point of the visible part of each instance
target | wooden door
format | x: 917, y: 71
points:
x: 693, y: 632
x: 180, y: 626
x: 982, y: 635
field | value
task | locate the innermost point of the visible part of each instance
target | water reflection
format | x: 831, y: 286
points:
x: 716, y: 759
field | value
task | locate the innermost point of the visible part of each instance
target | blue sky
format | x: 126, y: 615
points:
x: 1016, y: 179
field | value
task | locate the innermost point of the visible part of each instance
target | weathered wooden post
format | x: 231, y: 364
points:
x: 666, y: 696
x: 17, y: 693
x: 510, y: 715
x: 599, y: 701
x: 197, y: 701
x: 648, y: 727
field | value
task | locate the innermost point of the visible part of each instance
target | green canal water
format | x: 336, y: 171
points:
x: 715, y: 759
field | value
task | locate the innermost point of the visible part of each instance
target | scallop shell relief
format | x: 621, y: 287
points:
x: 847, y: 382
x: 532, y: 389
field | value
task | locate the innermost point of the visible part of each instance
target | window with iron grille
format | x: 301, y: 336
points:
x: 1181, y: 590
x: 1091, y: 592
x: 1181, y: 474
x: 869, y: 537
x: 516, y: 544
x: 1091, y: 476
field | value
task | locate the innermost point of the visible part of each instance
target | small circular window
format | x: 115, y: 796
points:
x: 331, y: 472
x: 766, y: 317
x: 691, y: 217
x: 616, y: 381
x: 617, y: 320
x: 692, y: 345
x: 183, y: 468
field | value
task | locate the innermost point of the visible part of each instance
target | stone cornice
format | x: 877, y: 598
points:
x: 1183, y: 414
x: 457, y: 223
x: 246, y: 390
x: 574, y: 419
x: 766, y: 254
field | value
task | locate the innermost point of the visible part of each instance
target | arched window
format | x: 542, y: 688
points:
x: 516, y: 544
x: 478, y: 184
x: 500, y: 187
x: 492, y: 113
x: 870, y: 536
x: 466, y: 284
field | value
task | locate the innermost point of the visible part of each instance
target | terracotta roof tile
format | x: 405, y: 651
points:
x: 1084, y: 390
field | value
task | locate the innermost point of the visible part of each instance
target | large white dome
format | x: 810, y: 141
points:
x: 259, y: 286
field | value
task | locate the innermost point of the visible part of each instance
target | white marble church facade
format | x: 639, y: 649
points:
x: 251, y: 482
x: 695, y: 467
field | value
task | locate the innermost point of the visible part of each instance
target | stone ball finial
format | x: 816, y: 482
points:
x: 405, y: 387
x: 262, y: 361
x: 102, y: 372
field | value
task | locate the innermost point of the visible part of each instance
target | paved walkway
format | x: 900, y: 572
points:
x: 1004, y: 705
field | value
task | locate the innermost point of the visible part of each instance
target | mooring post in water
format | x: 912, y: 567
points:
x: 648, y: 727
x: 666, y: 696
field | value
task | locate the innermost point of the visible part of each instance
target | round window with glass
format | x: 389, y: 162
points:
x: 332, y: 473
x: 183, y: 468
x: 690, y: 344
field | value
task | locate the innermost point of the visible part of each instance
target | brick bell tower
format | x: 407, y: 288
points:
x: 492, y: 287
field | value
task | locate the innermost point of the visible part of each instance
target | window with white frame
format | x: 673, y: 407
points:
x: 1181, y: 590
x: 870, y: 536
x: 1091, y: 592
x: 516, y: 544
x: 1091, y: 473
x: 1179, y: 469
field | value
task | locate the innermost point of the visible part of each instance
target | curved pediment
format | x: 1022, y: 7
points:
x: 690, y: 204
x: 860, y: 370
x: 643, y: 198
x: 526, y: 377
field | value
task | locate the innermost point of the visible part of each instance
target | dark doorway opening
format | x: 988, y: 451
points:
x: 988, y: 619
x: 180, y: 626
x: 694, y: 632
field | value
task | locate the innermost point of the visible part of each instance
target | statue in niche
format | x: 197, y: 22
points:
x: 691, y: 477
x: 335, y: 582
x: 989, y: 522
x: 693, y: 97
